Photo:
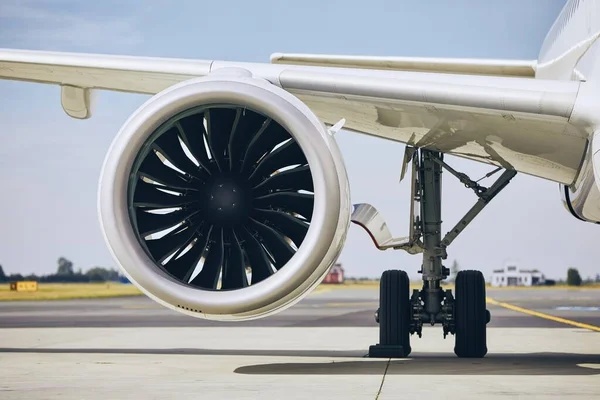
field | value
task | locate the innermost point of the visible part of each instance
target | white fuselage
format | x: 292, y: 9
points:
x: 571, y: 52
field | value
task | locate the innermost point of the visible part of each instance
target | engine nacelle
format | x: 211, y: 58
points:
x: 582, y: 198
x: 224, y: 197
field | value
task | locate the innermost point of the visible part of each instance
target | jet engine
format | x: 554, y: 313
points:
x: 224, y: 197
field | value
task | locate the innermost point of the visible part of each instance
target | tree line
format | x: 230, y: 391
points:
x: 65, y: 273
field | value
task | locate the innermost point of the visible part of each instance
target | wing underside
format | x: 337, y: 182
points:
x: 511, y: 121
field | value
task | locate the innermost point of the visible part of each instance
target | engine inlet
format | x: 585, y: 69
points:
x: 221, y: 197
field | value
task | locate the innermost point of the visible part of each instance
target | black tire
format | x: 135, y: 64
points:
x: 470, y: 315
x: 394, y: 310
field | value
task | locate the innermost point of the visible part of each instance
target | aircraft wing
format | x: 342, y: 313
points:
x: 494, y: 112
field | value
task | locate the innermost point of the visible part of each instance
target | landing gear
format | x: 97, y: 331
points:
x: 400, y: 315
x: 470, y: 315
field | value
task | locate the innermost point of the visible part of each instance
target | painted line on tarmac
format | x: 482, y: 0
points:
x: 576, y: 308
x: 321, y: 289
x: 542, y: 315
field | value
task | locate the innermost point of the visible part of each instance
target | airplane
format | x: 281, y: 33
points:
x: 224, y: 196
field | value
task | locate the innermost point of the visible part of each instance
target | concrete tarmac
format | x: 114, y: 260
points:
x: 133, y: 348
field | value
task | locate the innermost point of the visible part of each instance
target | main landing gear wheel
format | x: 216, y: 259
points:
x: 470, y: 315
x: 394, y: 316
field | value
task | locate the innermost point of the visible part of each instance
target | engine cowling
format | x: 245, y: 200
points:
x: 582, y: 197
x: 224, y: 197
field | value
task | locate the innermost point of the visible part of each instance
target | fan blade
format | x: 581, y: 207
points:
x: 149, y: 223
x: 298, y: 178
x: 286, y: 155
x: 208, y: 278
x: 234, y: 271
x: 169, y: 146
x: 148, y: 195
x: 300, y: 203
x: 184, y: 266
x: 257, y: 257
x: 153, y: 168
x: 287, y: 224
x: 274, y: 242
x: 248, y: 124
x: 263, y: 142
x: 220, y: 122
x: 165, y: 246
x: 192, y: 132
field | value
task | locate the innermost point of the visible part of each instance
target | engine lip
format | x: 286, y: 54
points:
x: 280, y: 289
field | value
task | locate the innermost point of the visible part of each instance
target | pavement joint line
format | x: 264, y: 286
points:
x: 542, y: 315
x: 383, y: 378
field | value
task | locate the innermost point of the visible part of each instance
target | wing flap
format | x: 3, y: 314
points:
x: 544, y: 97
x: 520, y: 124
x: 517, y: 68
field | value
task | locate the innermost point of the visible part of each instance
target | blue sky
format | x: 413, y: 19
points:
x: 50, y: 164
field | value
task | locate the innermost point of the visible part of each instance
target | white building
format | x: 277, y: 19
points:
x: 511, y: 276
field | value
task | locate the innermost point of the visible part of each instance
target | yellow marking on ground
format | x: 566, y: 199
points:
x: 542, y: 315
x: 63, y: 291
x: 321, y: 289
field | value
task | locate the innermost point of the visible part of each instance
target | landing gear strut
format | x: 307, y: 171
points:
x: 400, y: 313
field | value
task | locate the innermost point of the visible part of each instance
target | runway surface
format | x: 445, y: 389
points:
x: 327, y: 308
x: 136, y: 349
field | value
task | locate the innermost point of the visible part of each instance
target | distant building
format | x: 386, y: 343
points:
x: 335, y: 275
x: 511, y: 276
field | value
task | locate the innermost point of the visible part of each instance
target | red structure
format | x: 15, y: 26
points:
x: 335, y: 275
